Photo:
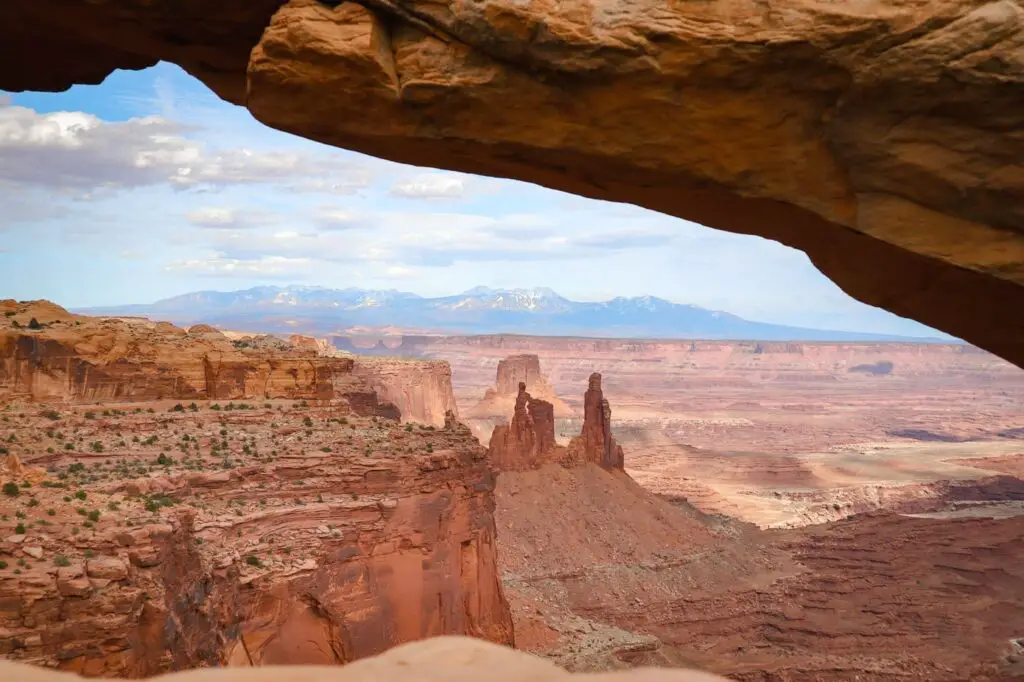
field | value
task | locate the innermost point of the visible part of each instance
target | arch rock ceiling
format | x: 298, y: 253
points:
x: 885, y: 138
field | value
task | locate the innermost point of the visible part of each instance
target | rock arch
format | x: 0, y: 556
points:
x: 881, y: 138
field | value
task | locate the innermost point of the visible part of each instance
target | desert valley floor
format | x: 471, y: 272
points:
x: 180, y: 498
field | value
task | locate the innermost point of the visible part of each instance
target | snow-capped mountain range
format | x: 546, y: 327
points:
x: 481, y: 310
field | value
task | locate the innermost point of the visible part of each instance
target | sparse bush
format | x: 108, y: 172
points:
x: 178, y: 407
x: 52, y: 415
x: 20, y: 529
x: 81, y: 494
x: 34, y: 324
x: 11, y: 489
x: 90, y: 414
x: 61, y: 560
x: 252, y: 560
x: 94, y: 515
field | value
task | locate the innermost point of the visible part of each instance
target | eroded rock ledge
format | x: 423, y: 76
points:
x: 880, y: 138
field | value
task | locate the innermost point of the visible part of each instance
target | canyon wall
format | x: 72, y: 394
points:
x: 80, y: 358
x: 420, y: 389
x: 300, y: 554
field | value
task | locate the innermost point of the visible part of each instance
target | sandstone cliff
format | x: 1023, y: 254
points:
x: 287, y: 535
x: 880, y: 138
x: 420, y: 389
x: 80, y: 358
x: 528, y: 441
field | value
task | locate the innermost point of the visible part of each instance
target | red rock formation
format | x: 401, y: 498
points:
x: 521, y: 369
x: 512, y: 372
x: 528, y: 441
x: 595, y: 443
x: 74, y: 357
x: 309, y: 344
x: 362, y: 536
x: 420, y: 389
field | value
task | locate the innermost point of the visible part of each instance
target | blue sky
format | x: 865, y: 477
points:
x: 148, y: 186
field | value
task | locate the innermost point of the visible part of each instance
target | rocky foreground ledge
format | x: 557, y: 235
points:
x: 447, y: 659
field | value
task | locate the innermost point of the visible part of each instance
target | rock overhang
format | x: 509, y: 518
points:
x: 882, y: 140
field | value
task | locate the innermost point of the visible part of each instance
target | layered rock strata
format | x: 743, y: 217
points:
x: 79, y: 358
x: 277, y: 535
x: 420, y: 389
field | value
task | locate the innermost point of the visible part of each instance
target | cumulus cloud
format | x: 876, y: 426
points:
x: 228, y: 218
x: 79, y: 152
x: 430, y: 186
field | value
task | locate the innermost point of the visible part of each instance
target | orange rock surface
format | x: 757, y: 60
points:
x: 80, y: 358
x: 421, y: 389
x: 165, y: 538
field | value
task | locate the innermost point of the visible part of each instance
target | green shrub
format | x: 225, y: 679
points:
x: 61, y: 560
x: 20, y: 529
x: 11, y: 489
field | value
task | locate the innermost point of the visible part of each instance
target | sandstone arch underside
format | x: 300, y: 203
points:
x: 885, y: 138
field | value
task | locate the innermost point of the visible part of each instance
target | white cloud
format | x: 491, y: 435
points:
x: 406, y: 240
x: 81, y: 152
x: 266, y: 266
x: 332, y: 218
x: 397, y: 272
x: 228, y: 218
x: 430, y: 186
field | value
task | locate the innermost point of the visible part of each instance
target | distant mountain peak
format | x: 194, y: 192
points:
x: 480, y: 310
